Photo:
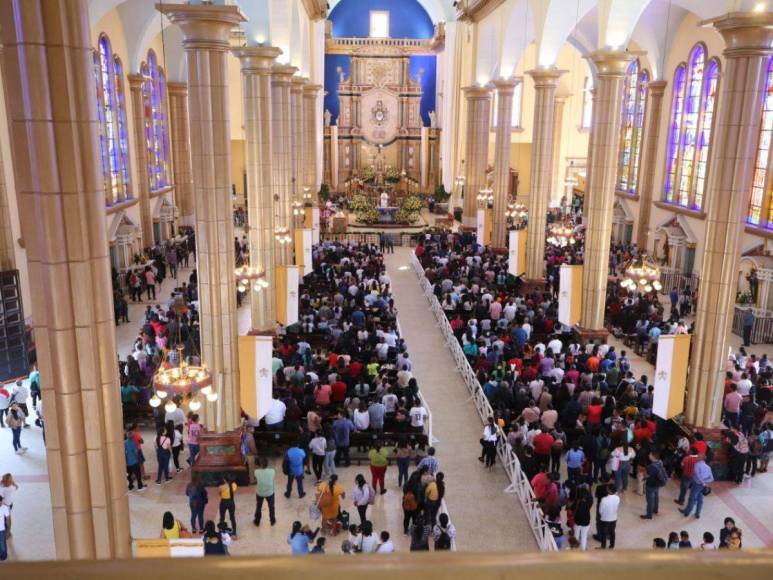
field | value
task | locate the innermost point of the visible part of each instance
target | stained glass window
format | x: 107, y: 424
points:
x: 632, y: 128
x: 761, y: 188
x: 111, y: 113
x: 692, y: 117
x: 156, y: 126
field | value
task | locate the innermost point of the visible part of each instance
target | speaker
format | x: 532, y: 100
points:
x: 13, y: 335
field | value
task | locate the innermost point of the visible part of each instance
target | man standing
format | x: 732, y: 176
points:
x: 264, y: 475
x: 418, y: 415
x: 748, y: 323
x: 342, y: 430
x: 656, y: 477
x: 608, y: 508
x: 701, y: 477
x: 295, y: 460
x: 688, y: 468
x: 20, y: 395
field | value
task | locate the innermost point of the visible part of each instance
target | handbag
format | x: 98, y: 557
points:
x: 314, y: 512
x: 706, y: 490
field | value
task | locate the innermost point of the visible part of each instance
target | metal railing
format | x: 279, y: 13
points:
x: 672, y: 278
x: 762, y: 327
x: 519, y: 483
x: 398, y: 239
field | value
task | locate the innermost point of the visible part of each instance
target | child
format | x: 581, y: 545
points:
x: 708, y: 541
x: 319, y: 547
x: 684, y: 540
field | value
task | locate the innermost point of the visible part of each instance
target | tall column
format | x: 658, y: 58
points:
x: 478, y: 120
x: 206, y: 30
x: 557, y: 183
x: 60, y: 189
x: 181, y: 151
x: 748, y: 38
x: 600, y: 191
x: 7, y: 254
x: 311, y: 125
x: 140, y: 143
x: 655, y: 90
x: 297, y: 150
x: 545, y: 84
x: 256, y: 64
x: 505, y: 89
x: 281, y: 84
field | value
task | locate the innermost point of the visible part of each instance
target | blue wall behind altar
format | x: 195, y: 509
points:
x: 407, y: 18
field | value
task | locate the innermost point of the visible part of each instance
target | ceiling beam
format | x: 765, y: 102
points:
x: 476, y: 10
x: 316, y: 9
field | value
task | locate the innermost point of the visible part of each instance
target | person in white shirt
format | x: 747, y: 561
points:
x: 555, y: 345
x: 390, y: 402
x: 361, y: 417
x: 177, y: 417
x: 386, y: 546
x: 744, y: 385
x: 275, y: 417
x: 418, y: 415
x: 368, y: 541
x: 608, y: 508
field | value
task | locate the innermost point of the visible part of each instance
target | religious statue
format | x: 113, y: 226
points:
x: 328, y: 116
x: 433, y: 119
x: 384, y: 199
x: 753, y: 284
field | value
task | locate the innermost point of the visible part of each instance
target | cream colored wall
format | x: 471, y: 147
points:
x: 238, y: 165
x: 574, y: 141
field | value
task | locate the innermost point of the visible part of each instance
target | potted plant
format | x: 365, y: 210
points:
x: 441, y: 200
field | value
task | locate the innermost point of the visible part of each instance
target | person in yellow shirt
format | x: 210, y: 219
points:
x: 379, y: 461
x: 172, y: 528
x: 227, y: 491
x: 433, y: 495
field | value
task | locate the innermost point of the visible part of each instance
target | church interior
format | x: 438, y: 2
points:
x: 485, y: 277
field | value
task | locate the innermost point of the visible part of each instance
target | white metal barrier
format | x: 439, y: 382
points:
x: 519, y: 484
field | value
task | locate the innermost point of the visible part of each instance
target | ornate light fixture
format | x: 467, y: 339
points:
x: 250, y: 276
x: 561, y: 235
x: 175, y: 377
x: 485, y: 197
x: 282, y: 235
x: 516, y: 213
x: 307, y: 195
x: 641, y: 274
x: 299, y: 214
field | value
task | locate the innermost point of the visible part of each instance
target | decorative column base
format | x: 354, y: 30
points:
x: 587, y: 335
x: 255, y: 332
x: 534, y: 285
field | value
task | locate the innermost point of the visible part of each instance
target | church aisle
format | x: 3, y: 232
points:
x: 485, y: 517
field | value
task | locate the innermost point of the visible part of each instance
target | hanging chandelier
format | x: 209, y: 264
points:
x: 641, y: 274
x: 307, y: 195
x: 486, y: 197
x: 282, y: 235
x: 561, y: 236
x: 516, y: 212
x: 250, y: 276
x: 177, y: 378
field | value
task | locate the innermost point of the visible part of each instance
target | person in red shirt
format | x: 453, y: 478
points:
x: 543, y: 444
x: 332, y: 360
x: 593, y: 363
x: 322, y: 395
x: 355, y: 368
x: 594, y: 412
x: 700, y: 444
x: 338, y: 394
x: 641, y: 432
x: 540, y: 483
x: 688, y: 468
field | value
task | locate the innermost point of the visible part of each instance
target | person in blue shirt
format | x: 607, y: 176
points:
x: 300, y: 539
x: 574, y: 458
x: 342, y: 430
x: 133, y: 471
x: 295, y: 459
x: 701, y: 477
x: 520, y: 335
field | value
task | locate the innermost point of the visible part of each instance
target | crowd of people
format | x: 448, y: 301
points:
x: 558, y: 400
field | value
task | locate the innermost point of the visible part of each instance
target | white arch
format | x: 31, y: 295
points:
x: 555, y: 21
x: 518, y: 21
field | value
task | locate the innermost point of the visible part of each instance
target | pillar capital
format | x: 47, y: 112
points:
x: 135, y: 81
x: 298, y: 84
x: 611, y: 63
x: 283, y: 73
x: 474, y: 92
x: 545, y: 77
x: 745, y: 33
x: 505, y: 86
x: 562, y: 98
x: 204, y: 25
x: 256, y: 59
x: 177, y: 89
x: 311, y: 91
x: 657, y: 88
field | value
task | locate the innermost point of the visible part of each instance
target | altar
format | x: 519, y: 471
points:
x: 386, y: 215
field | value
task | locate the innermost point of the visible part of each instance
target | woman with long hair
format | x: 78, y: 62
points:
x: 8, y: 487
x: 197, y: 501
x: 213, y: 541
x: 362, y: 496
x: 164, y: 440
x: 172, y: 528
x: 300, y: 538
x: 621, y: 463
x: 16, y: 420
x: 329, y: 495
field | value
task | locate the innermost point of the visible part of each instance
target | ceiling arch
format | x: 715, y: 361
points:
x: 438, y: 10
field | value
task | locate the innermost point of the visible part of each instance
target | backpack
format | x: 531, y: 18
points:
x: 409, y: 501
x: 661, y: 475
x: 444, y: 540
x: 371, y: 495
x: 286, y: 465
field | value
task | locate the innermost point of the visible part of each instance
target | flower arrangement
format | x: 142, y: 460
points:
x: 139, y: 259
x: 392, y: 175
x: 368, y: 175
x: 364, y: 209
x: 409, y: 210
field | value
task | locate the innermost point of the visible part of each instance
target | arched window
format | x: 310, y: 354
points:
x: 516, y: 110
x: 692, y: 116
x: 156, y: 126
x: 760, y: 207
x: 111, y: 112
x: 633, y: 124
